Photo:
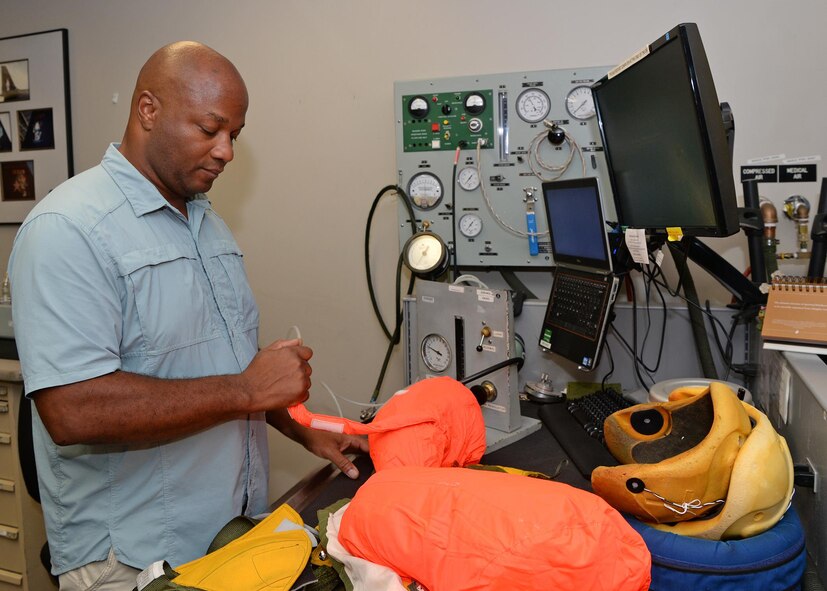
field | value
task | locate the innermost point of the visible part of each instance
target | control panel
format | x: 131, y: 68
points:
x: 461, y: 332
x: 472, y: 153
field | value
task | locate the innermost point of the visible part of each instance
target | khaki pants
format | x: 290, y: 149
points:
x: 106, y: 575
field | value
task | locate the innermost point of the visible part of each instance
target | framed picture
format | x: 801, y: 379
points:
x: 35, y: 120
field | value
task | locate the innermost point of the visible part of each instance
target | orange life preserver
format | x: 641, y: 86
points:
x: 433, y: 422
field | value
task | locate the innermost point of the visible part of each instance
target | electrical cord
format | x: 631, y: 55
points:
x: 502, y: 223
x: 393, y: 337
x: 557, y: 171
x: 741, y: 315
x: 401, y: 193
x: 394, y: 340
x: 472, y: 279
x: 608, y: 374
x: 481, y: 374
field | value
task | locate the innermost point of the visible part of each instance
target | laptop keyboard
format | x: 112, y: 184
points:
x: 578, y: 304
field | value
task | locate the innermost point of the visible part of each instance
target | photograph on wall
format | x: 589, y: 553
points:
x: 36, y: 129
x: 5, y: 132
x: 14, y: 81
x: 18, y: 180
x: 35, y: 120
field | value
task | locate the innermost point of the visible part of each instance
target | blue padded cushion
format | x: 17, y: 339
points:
x: 772, y: 561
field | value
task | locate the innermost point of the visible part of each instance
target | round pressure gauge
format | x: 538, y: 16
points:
x: 580, y: 102
x: 468, y: 178
x: 470, y: 225
x: 533, y: 105
x: 475, y: 103
x: 425, y: 190
x: 426, y: 255
x: 418, y: 107
x: 436, y: 352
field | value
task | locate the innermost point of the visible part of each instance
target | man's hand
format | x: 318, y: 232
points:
x: 278, y: 376
x: 327, y: 445
x: 333, y: 447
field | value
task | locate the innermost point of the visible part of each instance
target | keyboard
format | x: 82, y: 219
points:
x: 578, y: 304
x: 577, y: 425
x: 592, y: 410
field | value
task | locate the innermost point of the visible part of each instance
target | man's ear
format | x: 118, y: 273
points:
x: 147, y: 109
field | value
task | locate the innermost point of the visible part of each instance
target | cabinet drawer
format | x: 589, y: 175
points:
x: 5, y: 416
x: 8, y: 461
x: 11, y: 549
x: 8, y: 502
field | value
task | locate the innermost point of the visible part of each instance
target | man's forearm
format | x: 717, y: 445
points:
x: 123, y: 407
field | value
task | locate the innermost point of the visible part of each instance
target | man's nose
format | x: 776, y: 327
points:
x: 223, y: 148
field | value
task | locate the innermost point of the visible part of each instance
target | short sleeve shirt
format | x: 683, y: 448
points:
x: 107, y: 276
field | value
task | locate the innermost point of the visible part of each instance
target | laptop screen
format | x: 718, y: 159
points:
x: 575, y: 221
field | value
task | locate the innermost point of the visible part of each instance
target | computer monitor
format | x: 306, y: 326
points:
x: 664, y: 139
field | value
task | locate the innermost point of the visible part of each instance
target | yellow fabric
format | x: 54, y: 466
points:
x: 261, y: 559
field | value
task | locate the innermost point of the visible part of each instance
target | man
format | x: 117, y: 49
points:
x: 137, y: 334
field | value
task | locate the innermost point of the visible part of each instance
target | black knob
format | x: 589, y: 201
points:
x: 446, y: 109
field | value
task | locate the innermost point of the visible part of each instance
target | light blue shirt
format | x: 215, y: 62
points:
x: 106, y: 276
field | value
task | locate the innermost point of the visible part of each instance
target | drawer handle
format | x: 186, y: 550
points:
x: 5, y: 438
x: 4, y: 391
x: 6, y: 485
x: 11, y: 577
x: 8, y: 532
x: 4, y: 407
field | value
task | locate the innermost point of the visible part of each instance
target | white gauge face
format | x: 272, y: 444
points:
x: 425, y: 190
x: 533, y: 105
x: 436, y: 353
x: 474, y: 103
x: 424, y: 252
x: 470, y: 225
x: 580, y: 102
x: 468, y: 178
x: 418, y: 107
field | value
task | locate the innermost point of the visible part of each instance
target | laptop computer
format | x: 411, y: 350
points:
x: 584, y: 286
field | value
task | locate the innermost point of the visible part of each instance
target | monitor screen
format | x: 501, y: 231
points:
x: 664, y: 140
x: 575, y: 222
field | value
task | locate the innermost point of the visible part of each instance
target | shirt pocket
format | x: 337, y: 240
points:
x: 224, y: 262
x: 168, y: 301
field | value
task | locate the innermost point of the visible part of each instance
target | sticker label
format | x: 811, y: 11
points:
x: 797, y: 173
x: 456, y: 288
x: 636, y: 243
x: 762, y: 174
x: 628, y: 62
x: 485, y: 295
x: 428, y: 299
x: 763, y: 159
x: 674, y: 234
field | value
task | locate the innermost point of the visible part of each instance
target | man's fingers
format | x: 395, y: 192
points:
x: 346, y: 466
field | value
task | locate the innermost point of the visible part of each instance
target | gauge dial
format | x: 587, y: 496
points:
x: 580, y: 102
x: 533, y: 105
x: 470, y: 225
x: 475, y: 103
x: 436, y: 352
x: 425, y: 190
x: 425, y: 254
x: 418, y: 107
x: 468, y: 178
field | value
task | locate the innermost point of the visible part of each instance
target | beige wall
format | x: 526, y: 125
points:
x: 319, y: 141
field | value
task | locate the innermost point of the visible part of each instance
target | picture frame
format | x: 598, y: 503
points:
x: 35, y: 117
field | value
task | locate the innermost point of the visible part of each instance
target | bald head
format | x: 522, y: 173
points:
x: 183, y: 68
x: 187, y: 109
